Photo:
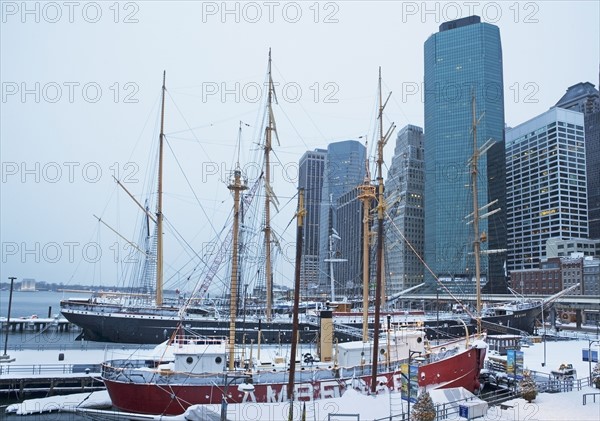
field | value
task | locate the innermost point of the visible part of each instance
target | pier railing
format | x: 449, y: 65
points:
x: 43, y: 369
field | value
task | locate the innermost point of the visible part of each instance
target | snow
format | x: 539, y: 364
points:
x: 61, y: 403
x: 546, y: 406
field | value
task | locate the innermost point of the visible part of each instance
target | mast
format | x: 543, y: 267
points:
x: 476, y: 239
x: 379, y: 291
x: 159, y: 213
x: 366, y: 195
x: 237, y: 185
x: 300, y: 226
x: 267, y: 229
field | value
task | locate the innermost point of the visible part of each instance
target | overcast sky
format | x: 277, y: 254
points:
x: 81, y: 87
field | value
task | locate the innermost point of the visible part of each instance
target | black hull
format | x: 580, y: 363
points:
x: 138, y: 328
x: 518, y: 321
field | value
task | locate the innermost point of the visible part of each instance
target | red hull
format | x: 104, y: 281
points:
x: 460, y: 370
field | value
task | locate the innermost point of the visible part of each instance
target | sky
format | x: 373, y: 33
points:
x: 81, y: 84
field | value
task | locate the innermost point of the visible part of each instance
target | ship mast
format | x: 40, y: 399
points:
x: 267, y: 229
x: 236, y: 185
x: 300, y: 226
x: 159, y: 213
x: 366, y: 196
x: 476, y: 239
x: 379, y: 287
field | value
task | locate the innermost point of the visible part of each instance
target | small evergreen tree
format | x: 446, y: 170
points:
x: 528, y: 387
x: 595, y: 380
x: 424, y: 410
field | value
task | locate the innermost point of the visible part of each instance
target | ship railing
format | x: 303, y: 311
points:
x: 351, y: 331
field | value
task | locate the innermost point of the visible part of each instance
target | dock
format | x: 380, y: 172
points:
x: 36, y: 324
x: 21, y: 381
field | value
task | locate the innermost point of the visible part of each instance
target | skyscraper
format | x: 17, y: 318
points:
x: 404, y: 197
x: 585, y: 98
x: 310, y: 177
x: 462, y: 60
x: 545, y: 184
x: 344, y: 170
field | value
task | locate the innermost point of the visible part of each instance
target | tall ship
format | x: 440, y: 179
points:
x: 195, y: 371
x: 148, y: 316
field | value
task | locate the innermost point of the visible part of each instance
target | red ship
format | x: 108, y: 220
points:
x: 195, y: 372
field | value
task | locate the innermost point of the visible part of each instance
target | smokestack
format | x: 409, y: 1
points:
x: 326, y: 343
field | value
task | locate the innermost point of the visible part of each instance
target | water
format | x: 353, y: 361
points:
x: 26, y: 304
x: 40, y: 303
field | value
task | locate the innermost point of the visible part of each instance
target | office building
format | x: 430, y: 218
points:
x: 463, y: 60
x: 404, y: 199
x: 545, y: 184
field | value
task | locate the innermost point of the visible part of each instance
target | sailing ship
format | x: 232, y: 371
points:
x: 133, y: 318
x: 127, y: 318
x: 211, y: 371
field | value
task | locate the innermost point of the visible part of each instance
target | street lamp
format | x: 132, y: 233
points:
x: 419, y: 358
x: 5, y: 356
x: 245, y: 387
x: 544, y: 335
x: 590, y: 342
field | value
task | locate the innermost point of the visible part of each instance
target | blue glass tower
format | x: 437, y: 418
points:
x: 344, y: 171
x: 463, y: 59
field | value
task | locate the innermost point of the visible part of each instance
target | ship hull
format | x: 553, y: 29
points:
x: 513, y: 322
x: 173, y: 394
x: 106, y: 323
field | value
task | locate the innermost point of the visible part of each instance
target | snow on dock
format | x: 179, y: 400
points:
x: 98, y: 399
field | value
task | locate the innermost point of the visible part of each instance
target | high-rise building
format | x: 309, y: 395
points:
x: 585, y: 98
x: 310, y: 177
x: 404, y: 198
x: 349, y: 216
x: 344, y: 170
x: 545, y: 185
x: 463, y: 60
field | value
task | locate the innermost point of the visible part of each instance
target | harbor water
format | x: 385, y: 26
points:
x: 39, y: 303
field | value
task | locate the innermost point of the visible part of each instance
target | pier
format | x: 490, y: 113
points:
x: 36, y: 324
x: 20, y: 381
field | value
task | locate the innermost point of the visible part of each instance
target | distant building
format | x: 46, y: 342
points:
x: 585, y: 98
x: 461, y: 60
x: 348, y: 274
x: 404, y: 198
x: 582, y: 97
x: 28, y: 285
x: 545, y: 185
x: 591, y: 276
x: 311, y: 171
x: 550, y: 277
x: 344, y: 170
x: 563, y: 247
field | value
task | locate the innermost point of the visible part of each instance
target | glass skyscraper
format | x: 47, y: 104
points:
x: 311, y: 171
x: 462, y: 60
x: 344, y: 170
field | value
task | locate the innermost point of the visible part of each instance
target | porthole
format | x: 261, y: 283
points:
x: 218, y: 360
x: 189, y: 360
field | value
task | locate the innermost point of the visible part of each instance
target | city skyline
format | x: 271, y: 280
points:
x: 126, y: 61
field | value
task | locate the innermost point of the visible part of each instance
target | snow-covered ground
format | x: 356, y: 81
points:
x: 558, y: 406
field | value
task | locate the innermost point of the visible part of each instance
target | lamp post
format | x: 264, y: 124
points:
x: 410, y: 355
x: 245, y: 387
x: 437, y: 313
x: 590, y: 342
x: 12, y: 280
x: 544, y: 335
